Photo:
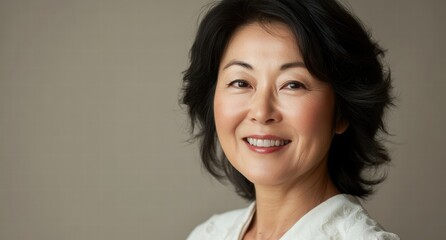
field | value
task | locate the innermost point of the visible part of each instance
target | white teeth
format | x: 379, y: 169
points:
x: 266, y: 142
x: 259, y: 142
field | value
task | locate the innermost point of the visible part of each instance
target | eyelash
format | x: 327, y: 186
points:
x: 239, y: 81
x: 244, y: 84
x: 299, y: 85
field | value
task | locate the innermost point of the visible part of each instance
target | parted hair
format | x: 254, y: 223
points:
x: 336, y: 48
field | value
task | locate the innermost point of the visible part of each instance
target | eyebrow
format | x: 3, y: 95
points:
x: 238, y: 63
x: 248, y: 66
x: 292, y: 65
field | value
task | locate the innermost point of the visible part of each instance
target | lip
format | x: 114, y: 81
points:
x: 265, y: 150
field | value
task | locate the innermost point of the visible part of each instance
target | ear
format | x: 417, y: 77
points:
x: 341, y: 126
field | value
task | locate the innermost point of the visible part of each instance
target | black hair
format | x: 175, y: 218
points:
x: 336, y: 49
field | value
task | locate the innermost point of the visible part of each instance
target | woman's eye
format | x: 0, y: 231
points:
x: 239, y: 84
x: 294, y: 85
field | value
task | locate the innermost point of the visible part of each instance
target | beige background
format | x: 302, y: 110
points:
x: 93, y: 142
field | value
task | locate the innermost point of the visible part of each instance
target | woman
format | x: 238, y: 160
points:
x: 288, y: 98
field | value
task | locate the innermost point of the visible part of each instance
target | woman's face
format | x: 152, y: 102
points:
x: 274, y: 120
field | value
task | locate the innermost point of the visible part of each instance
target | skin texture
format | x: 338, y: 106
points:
x: 264, y: 90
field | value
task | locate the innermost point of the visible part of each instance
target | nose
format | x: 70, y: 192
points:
x: 264, y: 109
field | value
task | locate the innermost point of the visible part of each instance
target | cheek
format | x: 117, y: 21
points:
x: 314, y: 116
x: 228, y: 113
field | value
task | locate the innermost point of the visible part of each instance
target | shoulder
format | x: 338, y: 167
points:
x: 353, y: 221
x: 343, y: 217
x: 221, y: 225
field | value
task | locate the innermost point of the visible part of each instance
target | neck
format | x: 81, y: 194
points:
x: 278, y: 208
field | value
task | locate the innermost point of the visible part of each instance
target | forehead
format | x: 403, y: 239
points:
x: 273, y: 40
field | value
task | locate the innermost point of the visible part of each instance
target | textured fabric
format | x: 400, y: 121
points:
x: 340, y: 217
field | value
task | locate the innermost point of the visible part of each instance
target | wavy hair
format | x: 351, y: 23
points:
x: 336, y: 48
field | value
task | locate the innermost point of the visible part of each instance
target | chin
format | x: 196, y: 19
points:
x: 265, y: 176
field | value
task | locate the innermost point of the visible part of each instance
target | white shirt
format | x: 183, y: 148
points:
x: 340, y: 217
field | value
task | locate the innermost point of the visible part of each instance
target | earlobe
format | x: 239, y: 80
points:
x: 341, y: 126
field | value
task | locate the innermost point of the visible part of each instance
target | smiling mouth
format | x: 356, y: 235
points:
x: 266, y: 142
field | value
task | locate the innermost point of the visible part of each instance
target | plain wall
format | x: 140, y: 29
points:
x: 93, y: 143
